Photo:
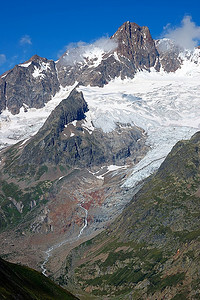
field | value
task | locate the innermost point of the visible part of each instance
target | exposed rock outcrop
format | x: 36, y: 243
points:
x: 135, y: 43
x: 30, y: 84
x: 135, y: 51
x: 168, y: 55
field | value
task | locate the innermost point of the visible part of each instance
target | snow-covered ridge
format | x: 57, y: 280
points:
x: 25, y: 65
x: 14, y: 128
x: 191, y: 62
x: 90, y: 54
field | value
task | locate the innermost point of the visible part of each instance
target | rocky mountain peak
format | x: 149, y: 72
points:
x: 30, y: 84
x: 129, y: 29
x: 131, y: 49
x: 35, y: 59
x: 168, y: 54
x: 136, y: 44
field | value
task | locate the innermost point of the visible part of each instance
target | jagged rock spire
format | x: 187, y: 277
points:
x: 136, y: 44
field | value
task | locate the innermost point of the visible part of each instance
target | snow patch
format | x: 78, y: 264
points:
x: 25, y: 65
x: 100, y: 174
x: 38, y: 72
x: 91, y: 54
x: 87, y: 123
x: 116, y: 57
x: 4, y: 75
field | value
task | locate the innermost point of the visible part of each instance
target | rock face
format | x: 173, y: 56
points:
x: 137, y: 46
x: 168, y: 55
x: 30, y: 84
x: 48, y: 141
x: 134, y: 51
x: 151, y: 250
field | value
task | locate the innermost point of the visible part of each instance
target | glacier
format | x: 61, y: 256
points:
x: 165, y: 105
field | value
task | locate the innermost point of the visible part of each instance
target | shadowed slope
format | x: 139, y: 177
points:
x: 19, y: 282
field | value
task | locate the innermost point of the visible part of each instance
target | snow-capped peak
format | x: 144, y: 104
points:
x: 81, y: 53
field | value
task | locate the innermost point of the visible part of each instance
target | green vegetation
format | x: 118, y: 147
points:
x: 26, y: 283
x: 43, y: 169
x: 158, y: 283
x: 185, y: 236
x: 152, y: 247
x: 16, y: 203
x: 181, y: 296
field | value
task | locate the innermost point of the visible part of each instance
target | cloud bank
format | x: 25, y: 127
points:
x: 25, y: 40
x: 79, y: 52
x: 2, y: 59
x: 187, y: 35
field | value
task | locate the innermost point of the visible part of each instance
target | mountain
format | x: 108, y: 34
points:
x: 129, y: 50
x: 79, y: 137
x: 30, y: 84
x: 65, y: 142
x: 19, y: 282
x: 66, y: 139
x: 151, y: 250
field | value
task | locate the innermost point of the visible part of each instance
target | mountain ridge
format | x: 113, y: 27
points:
x: 133, y: 50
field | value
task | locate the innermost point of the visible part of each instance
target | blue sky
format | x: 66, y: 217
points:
x: 46, y: 27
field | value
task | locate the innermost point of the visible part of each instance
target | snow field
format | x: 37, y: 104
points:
x: 166, y: 106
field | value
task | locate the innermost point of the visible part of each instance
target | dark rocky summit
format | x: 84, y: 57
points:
x: 135, y: 51
x: 30, y: 84
x: 137, y: 46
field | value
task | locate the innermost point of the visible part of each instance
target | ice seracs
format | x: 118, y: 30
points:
x: 165, y: 105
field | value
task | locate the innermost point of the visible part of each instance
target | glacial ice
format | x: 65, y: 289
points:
x: 165, y: 105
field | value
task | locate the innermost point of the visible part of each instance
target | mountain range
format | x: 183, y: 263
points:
x: 129, y: 50
x: 80, y: 138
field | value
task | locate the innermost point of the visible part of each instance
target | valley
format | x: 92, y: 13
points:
x: 99, y: 167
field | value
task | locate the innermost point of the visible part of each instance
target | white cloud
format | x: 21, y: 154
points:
x: 187, y: 35
x: 25, y: 40
x: 2, y: 59
x: 78, y: 52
